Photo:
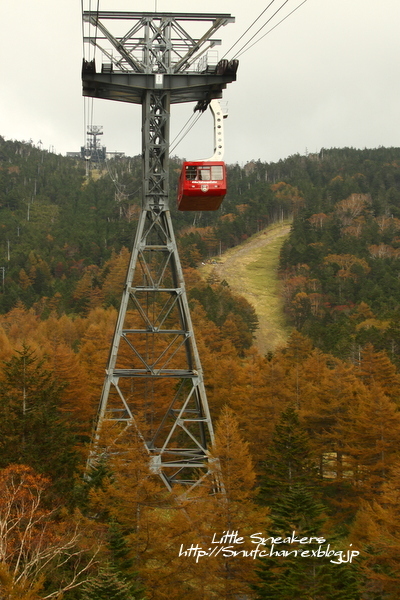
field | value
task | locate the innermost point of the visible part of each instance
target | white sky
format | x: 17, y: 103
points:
x: 328, y: 76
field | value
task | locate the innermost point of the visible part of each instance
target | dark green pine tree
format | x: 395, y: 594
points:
x: 108, y: 585
x: 93, y: 480
x: 116, y: 579
x: 288, y: 461
x: 33, y: 430
x: 290, y: 489
x: 121, y: 556
x: 303, y: 577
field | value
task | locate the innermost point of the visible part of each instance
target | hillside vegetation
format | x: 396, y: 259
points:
x: 307, y: 436
x: 341, y: 264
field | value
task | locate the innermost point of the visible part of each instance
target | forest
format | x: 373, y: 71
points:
x: 307, y: 437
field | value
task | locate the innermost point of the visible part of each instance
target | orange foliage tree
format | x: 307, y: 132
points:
x: 376, y: 531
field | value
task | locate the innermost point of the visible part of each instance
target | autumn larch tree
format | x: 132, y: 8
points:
x: 376, y: 532
x: 234, y: 507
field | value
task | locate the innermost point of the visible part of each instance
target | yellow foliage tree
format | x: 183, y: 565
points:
x: 376, y: 531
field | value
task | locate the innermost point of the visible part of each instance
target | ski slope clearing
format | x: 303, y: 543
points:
x: 251, y: 271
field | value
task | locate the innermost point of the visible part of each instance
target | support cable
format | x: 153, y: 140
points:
x: 272, y: 28
x: 85, y: 100
x: 96, y: 28
x: 248, y: 29
x: 88, y: 106
x: 246, y: 46
x: 185, y: 125
x: 118, y: 188
x: 83, y: 32
x: 260, y: 29
x: 186, y: 132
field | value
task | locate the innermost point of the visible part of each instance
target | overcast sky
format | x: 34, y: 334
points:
x: 327, y: 77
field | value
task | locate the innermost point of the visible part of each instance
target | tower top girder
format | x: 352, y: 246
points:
x: 129, y: 15
x: 151, y: 42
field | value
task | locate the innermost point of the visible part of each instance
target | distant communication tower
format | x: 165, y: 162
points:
x: 154, y: 380
x: 93, y: 152
x: 93, y: 146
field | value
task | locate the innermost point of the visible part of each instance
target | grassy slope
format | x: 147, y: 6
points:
x: 251, y: 270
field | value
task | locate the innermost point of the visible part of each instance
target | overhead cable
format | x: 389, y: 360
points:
x: 96, y: 28
x: 83, y: 32
x: 186, y: 132
x: 179, y: 133
x: 261, y: 28
x: 248, y: 29
x: 269, y: 31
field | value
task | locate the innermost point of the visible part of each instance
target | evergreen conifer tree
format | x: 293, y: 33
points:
x: 122, y: 561
x: 108, y: 585
x: 288, y: 461
x: 304, y: 577
x: 116, y: 578
x: 290, y: 490
x: 33, y: 430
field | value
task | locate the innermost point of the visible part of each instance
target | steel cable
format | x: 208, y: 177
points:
x: 248, y: 29
x: 260, y: 29
x: 272, y: 28
x: 185, y: 134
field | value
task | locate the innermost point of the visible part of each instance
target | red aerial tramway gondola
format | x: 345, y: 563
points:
x: 202, y: 183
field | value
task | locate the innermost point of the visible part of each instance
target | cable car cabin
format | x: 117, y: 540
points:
x: 202, y: 185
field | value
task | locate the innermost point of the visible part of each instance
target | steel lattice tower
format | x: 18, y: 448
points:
x: 154, y: 380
